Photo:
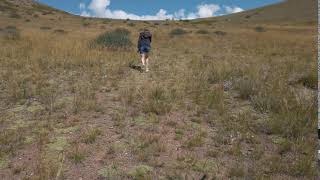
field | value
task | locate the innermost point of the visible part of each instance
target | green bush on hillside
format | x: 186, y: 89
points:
x: 178, y: 32
x: 202, y: 31
x: 260, y: 29
x: 10, y: 33
x: 117, y: 39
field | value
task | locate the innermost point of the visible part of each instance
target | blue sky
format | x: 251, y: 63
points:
x: 155, y: 9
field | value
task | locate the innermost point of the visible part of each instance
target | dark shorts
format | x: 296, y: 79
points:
x: 144, y: 49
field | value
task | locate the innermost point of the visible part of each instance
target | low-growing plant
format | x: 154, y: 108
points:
x: 10, y: 33
x: 15, y: 16
x: 85, y: 24
x: 111, y: 172
x: 131, y: 24
x: 178, y: 32
x: 60, y: 31
x: 147, y: 146
x: 215, y: 100
x: 246, y: 88
x: 310, y: 79
x: 45, y: 28
x: 106, y: 21
x: 197, y: 140
x: 117, y: 39
x: 140, y: 172
x: 76, y: 155
x: 91, y: 135
x: 84, y: 97
x: 220, y: 33
x: 236, y: 171
x: 202, y: 31
x: 304, y: 167
x: 260, y: 29
x: 157, y: 101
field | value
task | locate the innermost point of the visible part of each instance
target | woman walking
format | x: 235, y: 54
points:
x: 144, y: 47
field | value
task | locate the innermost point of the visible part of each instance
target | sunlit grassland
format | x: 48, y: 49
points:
x: 237, y: 104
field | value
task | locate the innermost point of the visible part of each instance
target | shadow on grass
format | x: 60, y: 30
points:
x: 136, y: 67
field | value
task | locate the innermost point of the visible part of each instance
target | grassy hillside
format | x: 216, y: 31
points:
x: 285, y: 12
x: 223, y: 100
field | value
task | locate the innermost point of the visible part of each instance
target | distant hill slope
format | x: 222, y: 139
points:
x: 16, y: 8
x: 288, y: 11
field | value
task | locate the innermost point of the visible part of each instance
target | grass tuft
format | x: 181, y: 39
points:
x: 140, y: 172
x: 91, y: 135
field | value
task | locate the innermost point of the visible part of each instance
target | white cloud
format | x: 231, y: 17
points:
x: 207, y: 10
x: 100, y: 8
x: 235, y: 9
x: 191, y: 16
x: 82, y: 6
x: 180, y: 14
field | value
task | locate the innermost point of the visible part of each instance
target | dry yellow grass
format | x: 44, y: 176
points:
x: 239, y: 105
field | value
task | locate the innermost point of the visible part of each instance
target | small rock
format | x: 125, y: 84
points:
x: 227, y: 85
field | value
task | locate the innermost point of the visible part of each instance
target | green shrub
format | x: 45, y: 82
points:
x: 61, y: 31
x: 202, y: 31
x: 178, y: 32
x: 15, y: 16
x: 85, y: 24
x: 220, y: 33
x: 106, y: 21
x: 131, y: 24
x: 310, y: 80
x: 45, y: 28
x: 140, y: 172
x: 110, y: 172
x: 260, y: 29
x: 117, y: 39
x: 10, y: 33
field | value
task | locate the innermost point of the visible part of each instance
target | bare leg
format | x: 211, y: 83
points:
x: 147, y: 63
x: 143, y: 59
